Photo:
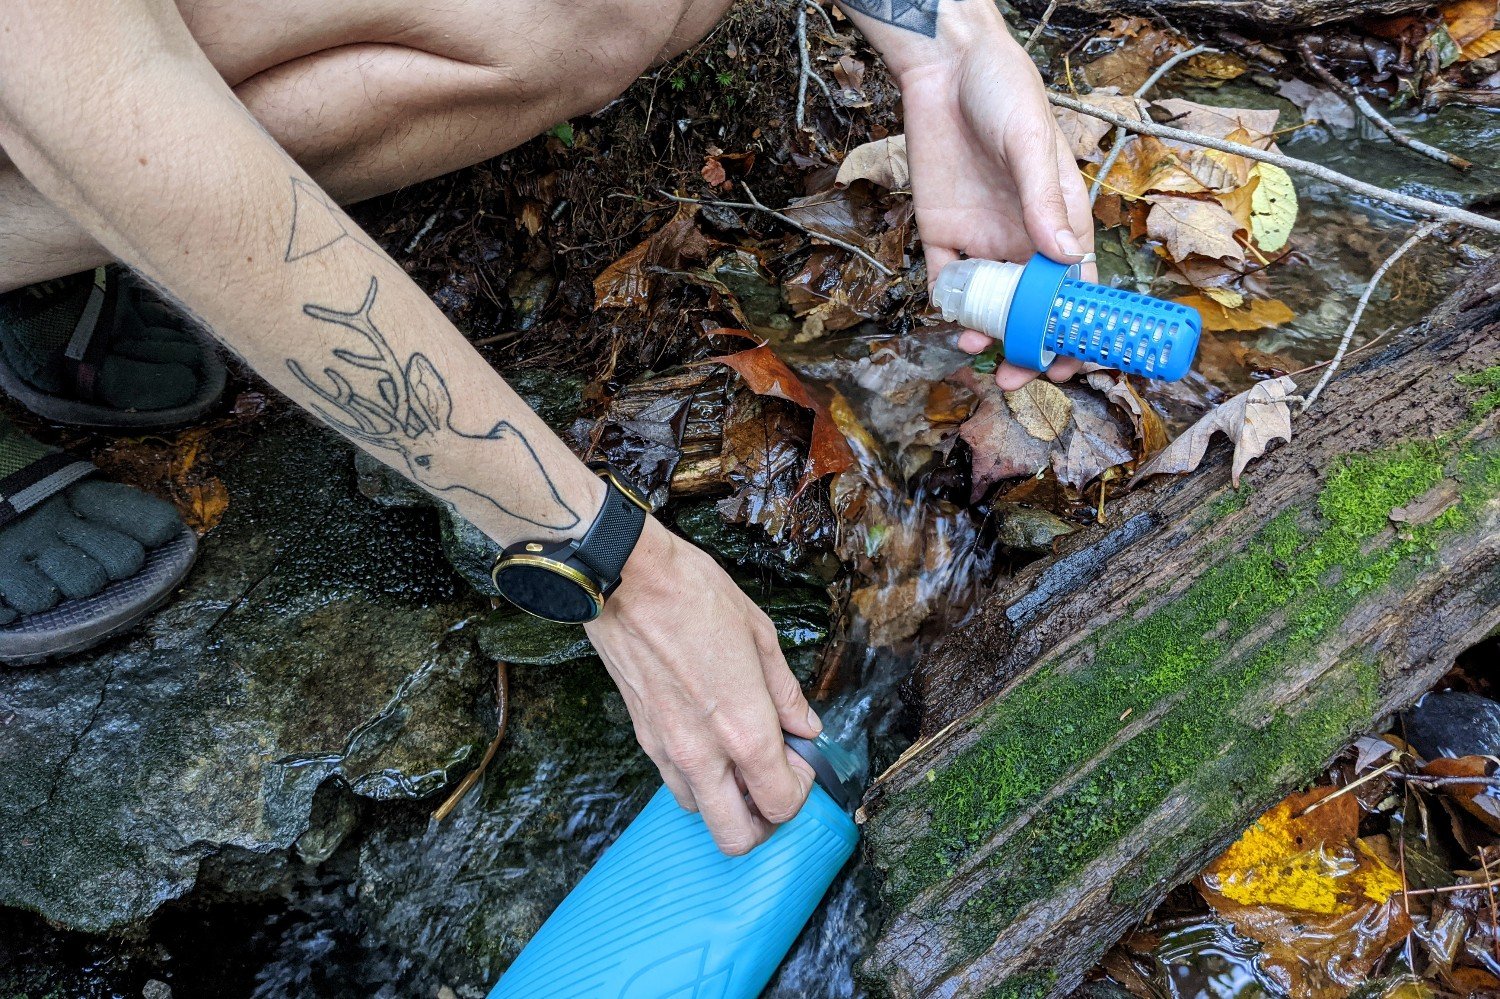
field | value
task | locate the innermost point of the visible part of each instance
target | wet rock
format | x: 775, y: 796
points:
x: 469, y: 550
x: 318, y: 639
x: 1030, y: 530
x: 748, y: 548
x: 523, y: 640
x: 1454, y: 724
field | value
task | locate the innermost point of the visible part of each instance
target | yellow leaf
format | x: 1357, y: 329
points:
x: 1041, y: 408
x: 1468, y: 20
x: 1221, y: 316
x: 1227, y: 297
x: 1273, y: 207
x: 1486, y: 44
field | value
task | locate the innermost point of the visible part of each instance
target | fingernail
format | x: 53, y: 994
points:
x: 1068, y: 242
x: 813, y: 721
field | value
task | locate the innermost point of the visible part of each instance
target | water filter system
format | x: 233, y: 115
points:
x: 1044, y: 309
x: 665, y: 915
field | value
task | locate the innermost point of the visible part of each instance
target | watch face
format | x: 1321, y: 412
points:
x: 548, y: 589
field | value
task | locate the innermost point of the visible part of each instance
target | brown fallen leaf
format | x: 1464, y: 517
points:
x: 1041, y: 408
x: 767, y: 374
x: 1476, y: 799
x: 1482, y: 47
x: 630, y: 280
x: 1188, y: 226
x: 1469, y: 20
x: 1256, y: 314
x: 1252, y: 420
x: 204, y: 504
x: 1084, y: 132
x: 1259, y: 124
x: 882, y: 162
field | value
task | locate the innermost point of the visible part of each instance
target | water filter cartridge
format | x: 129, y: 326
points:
x: 1044, y: 309
x: 665, y: 915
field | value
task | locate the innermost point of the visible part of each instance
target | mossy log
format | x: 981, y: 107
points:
x: 1112, y: 718
x: 1283, y: 15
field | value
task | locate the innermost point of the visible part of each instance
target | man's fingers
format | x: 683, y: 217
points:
x: 1011, y: 377
x: 1032, y: 158
x: 1076, y: 197
x: 792, y: 710
x: 937, y: 258
x: 1064, y: 368
x: 974, y: 342
x: 774, y: 786
x: 735, y: 828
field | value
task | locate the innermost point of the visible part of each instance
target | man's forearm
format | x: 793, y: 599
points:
x: 171, y: 174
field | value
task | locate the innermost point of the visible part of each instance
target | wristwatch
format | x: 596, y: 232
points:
x: 568, y: 581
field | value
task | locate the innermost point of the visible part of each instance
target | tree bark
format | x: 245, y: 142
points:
x: 1114, y: 716
x: 1265, y: 14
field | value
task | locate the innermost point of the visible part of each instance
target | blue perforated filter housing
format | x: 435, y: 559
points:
x: 1043, y: 310
x: 665, y: 915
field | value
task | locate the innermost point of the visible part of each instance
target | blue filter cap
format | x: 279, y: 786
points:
x: 1044, y: 310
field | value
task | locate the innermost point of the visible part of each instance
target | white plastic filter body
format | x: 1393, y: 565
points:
x: 978, y: 294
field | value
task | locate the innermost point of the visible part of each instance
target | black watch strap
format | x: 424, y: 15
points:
x: 611, y: 538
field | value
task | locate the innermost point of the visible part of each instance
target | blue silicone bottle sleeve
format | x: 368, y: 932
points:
x: 1053, y: 312
x: 665, y: 915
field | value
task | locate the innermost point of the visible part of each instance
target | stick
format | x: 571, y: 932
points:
x: 1141, y: 91
x: 756, y: 204
x: 807, y: 72
x: 1036, y: 33
x: 1421, y: 206
x: 1428, y: 780
x: 1423, y: 231
x: 1364, y: 107
x: 502, y: 712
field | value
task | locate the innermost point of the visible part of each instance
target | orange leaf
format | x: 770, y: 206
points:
x: 204, y: 506
x: 1486, y: 44
x: 767, y: 374
x: 1469, y: 20
x: 1258, y: 314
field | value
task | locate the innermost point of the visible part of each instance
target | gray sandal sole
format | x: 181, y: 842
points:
x: 59, y: 409
x: 75, y: 625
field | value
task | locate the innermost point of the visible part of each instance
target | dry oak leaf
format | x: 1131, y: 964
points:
x: 1041, y: 408
x: 1259, y: 124
x: 1187, y: 226
x: 1083, y: 132
x: 882, y: 162
x: 1252, y: 420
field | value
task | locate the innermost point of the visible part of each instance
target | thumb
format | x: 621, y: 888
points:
x: 1034, y: 166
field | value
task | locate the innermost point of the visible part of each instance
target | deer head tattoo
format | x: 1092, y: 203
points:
x: 411, y: 413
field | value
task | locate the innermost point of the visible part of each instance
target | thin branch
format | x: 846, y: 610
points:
x: 1036, y: 33
x: 806, y: 67
x: 1432, y: 780
x: 1420, y: 206
x: 755, y: 203
x: 1486, y: 885
x: 1364, y: 107
x: 828, y: 21
x: 502, y: 719
x: 1119, y: 144
x: 1423, y: 231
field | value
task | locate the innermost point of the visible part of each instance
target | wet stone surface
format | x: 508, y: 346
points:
x: 315, y: 640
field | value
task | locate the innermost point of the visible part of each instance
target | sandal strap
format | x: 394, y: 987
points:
x: 84, y: 354
x: 37, y: 472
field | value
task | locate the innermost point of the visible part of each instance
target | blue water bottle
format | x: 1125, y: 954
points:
x: 665, y: 915
x: 1044, y: 309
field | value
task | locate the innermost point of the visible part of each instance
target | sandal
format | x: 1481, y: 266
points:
x: 81, y: 559
x: 99, y: 349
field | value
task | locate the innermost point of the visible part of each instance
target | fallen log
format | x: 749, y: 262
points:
x: 1110, y: 719
x: 1265, y: 14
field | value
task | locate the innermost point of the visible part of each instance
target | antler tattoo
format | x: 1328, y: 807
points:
x: 411, y: 414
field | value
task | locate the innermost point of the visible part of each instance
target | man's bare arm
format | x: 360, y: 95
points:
x: 114, y: 114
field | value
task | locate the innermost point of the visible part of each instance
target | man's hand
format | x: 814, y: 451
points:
x: 990, y: 173
x: 708, y: 689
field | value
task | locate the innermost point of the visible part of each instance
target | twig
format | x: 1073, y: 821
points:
x: 1036, y: 33
x: 1351, y: 786
x: 1431, y: 780
x: 1364, y: 107
x: 1487, y: 885
x: 1423, y: 231
x: 806, y: 72
x: 1119, y: 144
x: 1421, y: 206
x: 827, y: 21
x: 502, y: 714
x: 756, y: 204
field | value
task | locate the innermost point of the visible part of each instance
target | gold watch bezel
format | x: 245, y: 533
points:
x: 553, y: 565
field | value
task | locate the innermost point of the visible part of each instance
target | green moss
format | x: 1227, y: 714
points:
x: 1298, y: 574
x: 1036, y: 985
x: 1489, y: 380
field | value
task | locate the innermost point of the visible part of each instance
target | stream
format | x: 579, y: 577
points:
x: 402, y: 908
